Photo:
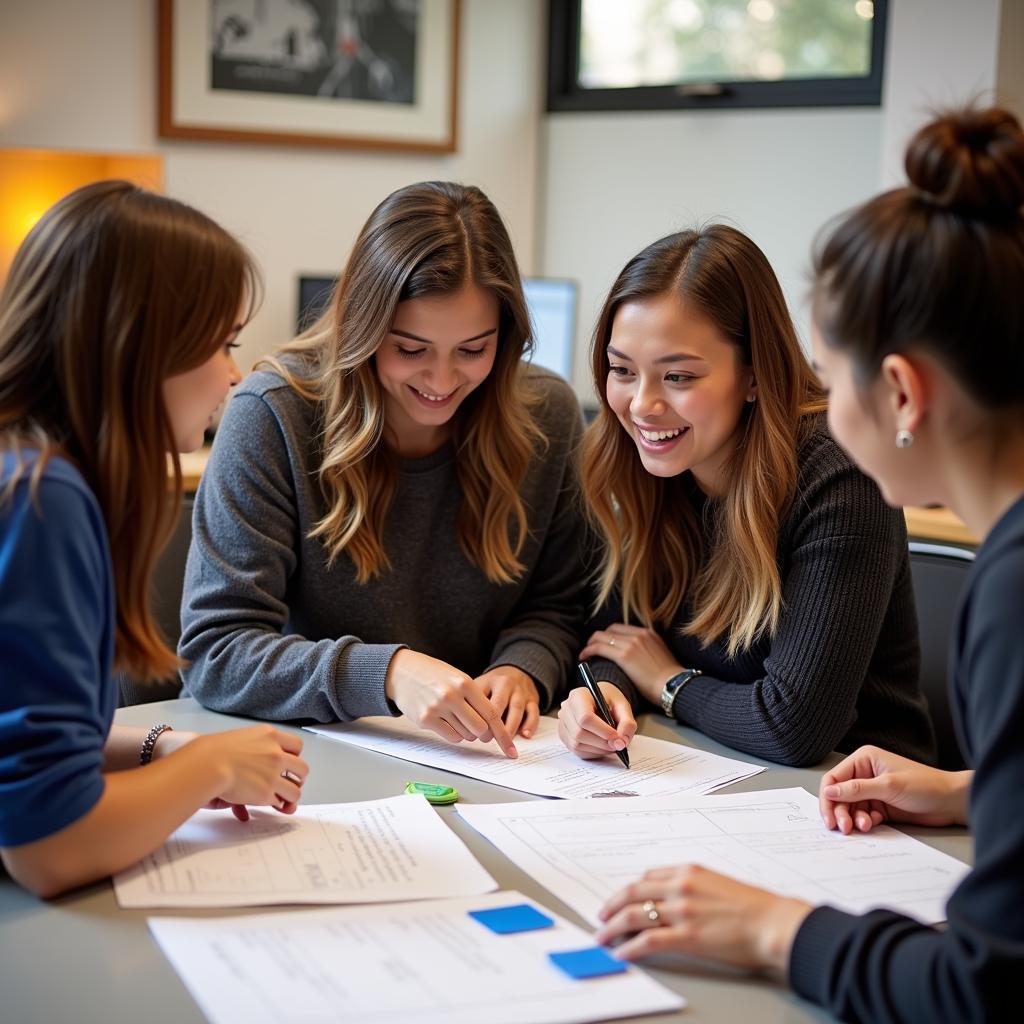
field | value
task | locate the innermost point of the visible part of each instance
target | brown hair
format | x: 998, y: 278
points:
x: 938, y: 264
x: 431, y: 238
x: 653, y: 551
x: 114, y: 290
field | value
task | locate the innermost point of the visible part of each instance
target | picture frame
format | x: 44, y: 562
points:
x: 369, y: 74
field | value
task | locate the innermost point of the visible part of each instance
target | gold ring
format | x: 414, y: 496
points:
x: 650, y: 908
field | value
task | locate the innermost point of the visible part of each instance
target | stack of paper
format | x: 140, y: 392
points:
x: 432, y: 963
x: 584, y: 851
x: 544, y: 766
x: 392, y: 849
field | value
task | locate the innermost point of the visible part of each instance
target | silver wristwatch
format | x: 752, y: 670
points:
x: 674, y: 685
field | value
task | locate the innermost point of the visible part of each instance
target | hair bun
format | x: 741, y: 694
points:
x: 970, y: 162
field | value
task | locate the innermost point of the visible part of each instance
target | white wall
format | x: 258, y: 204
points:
x: 614, y: 182
x: 82, y: 75
x: 939, y: 53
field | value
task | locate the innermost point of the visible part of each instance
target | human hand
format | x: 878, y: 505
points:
x: 260, y: 765
x: 582, y: 729
x: 514, y: 696
x: 873, y: 785
x: 439, y: 697
x: 174, y: 739
x: 694, y: 910
x: 640, y: 653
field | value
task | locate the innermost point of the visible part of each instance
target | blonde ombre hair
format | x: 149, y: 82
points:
x: 431, y: 238
x: 114, y: 290
x: 653, y: 552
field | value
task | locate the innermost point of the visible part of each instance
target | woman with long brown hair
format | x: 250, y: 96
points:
x: 751, y: 580
x: 919, y: 320
x: 387, y: 523
x: 117, y: 321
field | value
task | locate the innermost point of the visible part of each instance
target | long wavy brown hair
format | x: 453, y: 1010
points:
x: 114, y: 290
x: 430, y: 238
x: 653, y: 549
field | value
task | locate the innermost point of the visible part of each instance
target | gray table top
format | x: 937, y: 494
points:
x: 81, y: 958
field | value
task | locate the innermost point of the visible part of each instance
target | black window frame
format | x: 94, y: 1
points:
x: 564, y: 94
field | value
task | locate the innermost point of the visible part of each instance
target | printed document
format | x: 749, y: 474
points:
x: 585, y: 851
x: 426, y: 962
x: 392, y: 849
x: 544, y: 767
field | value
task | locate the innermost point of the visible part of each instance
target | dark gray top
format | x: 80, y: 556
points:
x: 842, y: 669
x: 884, y: 967
x: 271, y: 631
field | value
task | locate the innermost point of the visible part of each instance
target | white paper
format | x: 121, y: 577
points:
x: 369, y: 852
x: 585, y: 851
x: 544, y: 767
x: 425, y: 962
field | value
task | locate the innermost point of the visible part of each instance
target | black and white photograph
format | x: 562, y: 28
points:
x: 331, y: 49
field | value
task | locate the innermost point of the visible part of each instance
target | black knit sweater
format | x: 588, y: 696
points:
x: 842, y: 667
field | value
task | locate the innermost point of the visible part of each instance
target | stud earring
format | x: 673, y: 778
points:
x: 904, y: 438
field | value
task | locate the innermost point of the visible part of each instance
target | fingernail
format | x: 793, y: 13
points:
x: 617, y: 745
x: 526, y: 733
x: 831, y: 791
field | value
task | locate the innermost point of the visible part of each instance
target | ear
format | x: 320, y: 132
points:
x: 906, y: 389
x: 751, y: 385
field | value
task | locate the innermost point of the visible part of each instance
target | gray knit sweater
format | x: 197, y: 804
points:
x: 842, y: 668
x: 270, y: 631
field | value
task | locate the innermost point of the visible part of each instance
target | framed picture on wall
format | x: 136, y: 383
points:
x: 376, y: 74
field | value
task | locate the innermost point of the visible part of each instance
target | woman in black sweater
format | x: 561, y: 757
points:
x: 919, y: 317
x: 752, y: 581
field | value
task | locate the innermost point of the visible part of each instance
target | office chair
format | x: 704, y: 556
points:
x: 168, y: 583
x: 939, y: 572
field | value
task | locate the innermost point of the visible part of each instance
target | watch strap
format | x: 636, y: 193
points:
x: 671, y: 689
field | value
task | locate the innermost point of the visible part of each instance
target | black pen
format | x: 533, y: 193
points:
x: 602, y: 708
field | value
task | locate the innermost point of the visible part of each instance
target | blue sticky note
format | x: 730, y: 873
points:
x: 520, y: 917
x: 587, y: 963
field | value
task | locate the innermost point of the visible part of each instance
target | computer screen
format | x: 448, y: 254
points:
x: 314, y: 295
x: 551, y: 303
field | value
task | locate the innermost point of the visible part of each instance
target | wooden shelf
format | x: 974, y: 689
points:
x: 937, y: 524
x: 192, y: 466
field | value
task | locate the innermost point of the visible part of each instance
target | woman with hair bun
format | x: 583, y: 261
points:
x: 919, y: 336
x: 388, y: 521
x: 752, y: 582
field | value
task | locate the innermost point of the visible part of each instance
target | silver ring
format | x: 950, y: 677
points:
x: 650, y: 908
x: 291, y: 777
x: 610, y: 641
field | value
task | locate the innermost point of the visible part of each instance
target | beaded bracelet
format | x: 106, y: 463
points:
x: 149, y: 743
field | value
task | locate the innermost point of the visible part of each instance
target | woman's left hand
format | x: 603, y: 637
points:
x: 699, y: 912
x: 639, y: 652
x: 514, y: 694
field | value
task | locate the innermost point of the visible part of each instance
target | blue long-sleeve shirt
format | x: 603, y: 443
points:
x: 883, y: 967
x: 57, y: 697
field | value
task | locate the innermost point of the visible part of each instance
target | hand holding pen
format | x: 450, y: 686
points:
x: 591, y: 731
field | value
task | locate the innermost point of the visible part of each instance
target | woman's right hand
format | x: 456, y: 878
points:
x: 259, y: 766
x: 583, y: 730
x: 438, y: 697
x: 873, y: 785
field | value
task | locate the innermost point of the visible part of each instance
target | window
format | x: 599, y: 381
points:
x: 714, y: 54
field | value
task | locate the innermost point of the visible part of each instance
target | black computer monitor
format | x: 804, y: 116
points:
x: 551, y: 303
x: 314, y: 295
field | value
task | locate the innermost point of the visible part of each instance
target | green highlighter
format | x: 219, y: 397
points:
x: 438, y: 795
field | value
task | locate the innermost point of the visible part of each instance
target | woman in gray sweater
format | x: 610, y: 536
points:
x: 751, y: 580
x: 388, y: 520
